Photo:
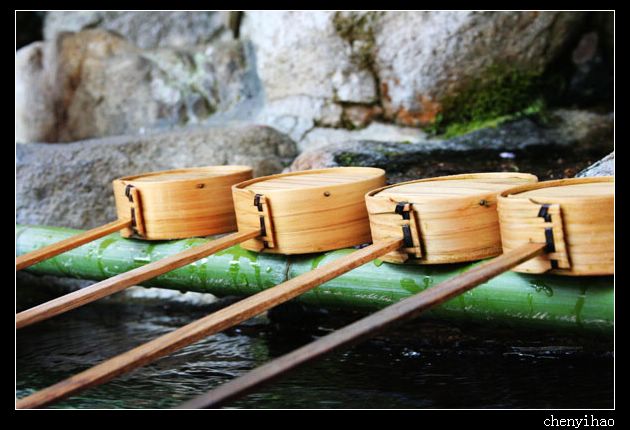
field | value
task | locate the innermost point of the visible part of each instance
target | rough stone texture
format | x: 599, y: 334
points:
x: 604, y: 167
x: 96, y: 84
x: 145, y: 29
x: 424, y: 57
x: 300, y: 53
x: 400, y: 64
x: 306, y: 69
x: 375, y: 132
x: 70, y: 185
x: 587, y: 130
x: 567, y: 134
x: 293, y: 70
x: 35, y: 117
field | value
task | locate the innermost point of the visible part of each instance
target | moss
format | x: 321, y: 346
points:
x: 345, y: 159
x: 356, y: 28
x: 503, y: 93
x: 457, y: 129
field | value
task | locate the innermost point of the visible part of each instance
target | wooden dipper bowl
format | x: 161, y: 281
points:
x: 307, y: 211
x: 178, y: 204
x: 574, y: 218
x: 170, y: 204
x: 563, y: 227
x: 448, y: 219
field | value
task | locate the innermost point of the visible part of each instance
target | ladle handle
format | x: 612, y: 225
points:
x: 365, y: 328
x: 127, y: 279
x: 28, y: 259
x: 213, y: 323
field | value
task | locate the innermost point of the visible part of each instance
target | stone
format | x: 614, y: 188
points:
x: 376, y: 131
x: 566, y: 138
x: 604, y: 167
x: 95, y: 83
x: 300, y: 53
x: 70, y: 185
x: 407, y: 67
x: 35, y: 117
x: 297, y: 115
x: 581, y: 128
x: 145, y: 29
x: 305, y: 69
x: 423, y: 59
x: 360, y: 116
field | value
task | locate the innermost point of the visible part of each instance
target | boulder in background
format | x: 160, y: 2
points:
x: 70, y: 185
x: 95, y: 83
x: 146, y: 29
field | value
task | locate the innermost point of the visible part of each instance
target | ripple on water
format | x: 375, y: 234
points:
x: 417, y: 365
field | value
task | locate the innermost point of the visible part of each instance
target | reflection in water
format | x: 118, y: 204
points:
x: 423, y: 364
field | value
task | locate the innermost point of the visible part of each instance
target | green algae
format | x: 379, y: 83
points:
x: 501, y: 93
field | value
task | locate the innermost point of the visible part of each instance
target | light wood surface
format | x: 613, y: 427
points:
x: 455, y: 217
x: 364, y: 328
x: 309, y: 211
x: 180, y: 203
x: 26, y: 260
x: 582, y: 222
x: 127, y: 279
x: 213, y: 323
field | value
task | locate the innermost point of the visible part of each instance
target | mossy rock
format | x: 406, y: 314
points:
x: 503, y: 93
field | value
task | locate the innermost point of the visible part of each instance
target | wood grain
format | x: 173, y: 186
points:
x: 310, y: 210
x: 213, y: 323
x: 181, y: 203
x: 582, y: 220
x: 26, y: 260
x: 455, y: 216
x: 127, y: 279
x: 365, y: 328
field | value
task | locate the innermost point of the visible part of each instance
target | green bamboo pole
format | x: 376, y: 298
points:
x: 584, y: 304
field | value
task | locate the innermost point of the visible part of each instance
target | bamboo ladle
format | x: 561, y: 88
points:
x: 341, y: 217
x: 298, y: 223
x: 170, y: 204
x: 161, y: 205
x: 541, y: 225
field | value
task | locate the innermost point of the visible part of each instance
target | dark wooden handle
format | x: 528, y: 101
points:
x: 213, y: 323
x: 28, y: 259
x: 367, y: 327
x: 128, y: 279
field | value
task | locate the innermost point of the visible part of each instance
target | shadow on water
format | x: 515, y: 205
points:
x: 422, y: 364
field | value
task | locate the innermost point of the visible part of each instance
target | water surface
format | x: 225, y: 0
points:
x: 422, y: 364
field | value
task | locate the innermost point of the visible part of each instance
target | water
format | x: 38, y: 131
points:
x: 423, y: 364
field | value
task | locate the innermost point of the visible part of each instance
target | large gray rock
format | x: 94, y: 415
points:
x: 376, y: 131
x: 35, y: 117
x: 70, y: 185
x: 320, y: 68
x: 424, y: 60
x: 145, y: 29
x: 95, y: 83
x: 550, y: 149
x: 604, y: 167
x: 307, y: 70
